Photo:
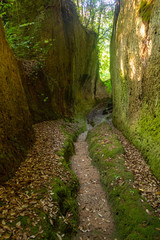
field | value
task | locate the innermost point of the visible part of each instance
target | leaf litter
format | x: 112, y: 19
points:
x: 144, y: 180
x: 30, y: 189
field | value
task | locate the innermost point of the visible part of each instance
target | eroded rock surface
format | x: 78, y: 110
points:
x: 66, y: 52
x: 135, y: 72
x: 15, y: 121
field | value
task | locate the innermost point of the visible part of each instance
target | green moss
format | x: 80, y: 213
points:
x: 68, y: 148
x: 144, y: 132
x: 147, y: 137
x: 65, y: 195
x: 145, y: 10
x: 26, y: 223
x: 131, y: 219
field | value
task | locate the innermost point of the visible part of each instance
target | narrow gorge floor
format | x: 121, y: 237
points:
x: 32, y: 203
x: 96, y: 220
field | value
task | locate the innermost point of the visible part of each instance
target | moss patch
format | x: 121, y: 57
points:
x: 131, y: 219
x: 147, y: 137
x: 65, y: 194
x: 145, y: 10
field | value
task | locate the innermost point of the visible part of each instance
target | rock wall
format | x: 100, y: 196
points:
x: 67, y: 51
x: 71, y: 62
x: 15, y: 122
x: 135, y: 73
x: 37, y: 91
x: 101, y: 90
x: 58, y: 79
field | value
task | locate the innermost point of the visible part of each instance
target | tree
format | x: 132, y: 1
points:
x: 97, y: 15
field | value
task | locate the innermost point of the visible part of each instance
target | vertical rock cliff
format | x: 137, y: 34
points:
x: 135, y: 73
x: 56, y: 78
x: 71, y: 63
x: 67, y: 53
x: 15, y: 122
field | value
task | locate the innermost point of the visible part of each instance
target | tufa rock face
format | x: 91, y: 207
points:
x: 59, y: 76
x: 37, y: 91
x: 15, y: 122
x: 101, y: 90
x: 135, y: 73
x: 70, y: 61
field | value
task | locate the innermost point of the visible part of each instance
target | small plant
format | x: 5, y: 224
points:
x: 45, y: 99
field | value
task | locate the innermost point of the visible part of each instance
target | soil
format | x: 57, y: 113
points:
x: 96, y: 221
x: 21, y: 196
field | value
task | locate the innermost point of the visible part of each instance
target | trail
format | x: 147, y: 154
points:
x: 96, y: 220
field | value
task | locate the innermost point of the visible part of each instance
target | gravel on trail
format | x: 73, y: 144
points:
x: 96, y: 220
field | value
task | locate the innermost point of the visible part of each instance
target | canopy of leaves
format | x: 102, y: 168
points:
x: 97, y: 15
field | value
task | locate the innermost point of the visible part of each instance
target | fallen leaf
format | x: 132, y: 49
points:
x: 3, y: 222
x: 18, y: 224
x: 158, y: 193
x: 6, y: 236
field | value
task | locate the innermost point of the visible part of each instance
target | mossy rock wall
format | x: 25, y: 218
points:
x: 15, y: 121
x: 135, y: 73
x: 67, y: 50
x: 71, y: 64
x: 37, y: 91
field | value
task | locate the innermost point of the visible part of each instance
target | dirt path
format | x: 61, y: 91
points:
x: 95, y: 216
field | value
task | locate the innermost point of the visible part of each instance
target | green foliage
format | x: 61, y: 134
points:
x: 97, y: 15
x: 22, y: 31
x: 131, y: 219
x: 145, y: 10
x: 94, y: 14
x: 104, y: 66
x: 109, y: 86
x: 26, y: 45
x: 5, y: 7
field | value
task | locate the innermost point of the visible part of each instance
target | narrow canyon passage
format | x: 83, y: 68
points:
x: 95, y: 216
